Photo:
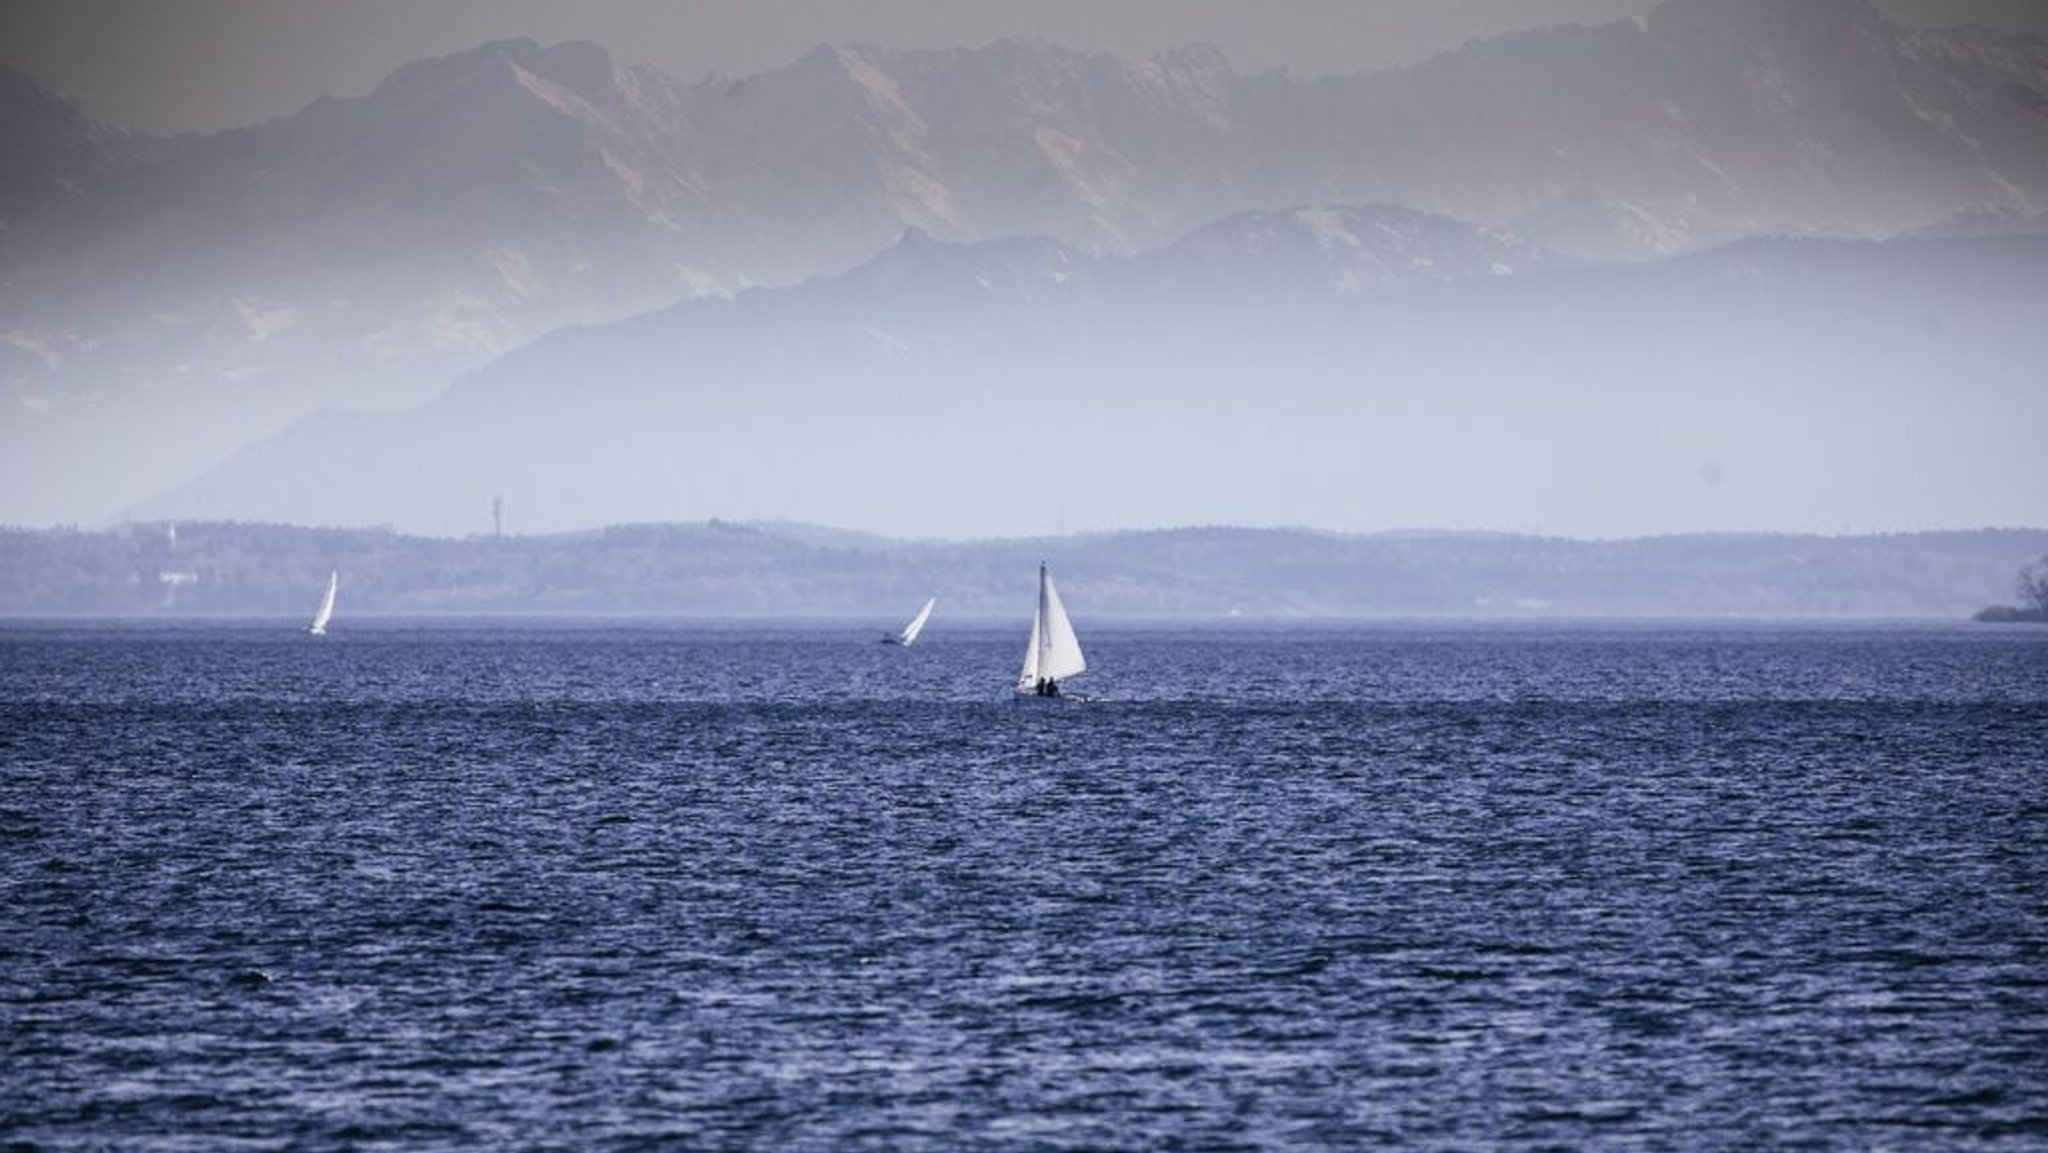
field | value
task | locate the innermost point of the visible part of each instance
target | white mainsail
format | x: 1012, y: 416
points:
x: 1054, y: 652
x: 320, y: 618
x: 909, y: 634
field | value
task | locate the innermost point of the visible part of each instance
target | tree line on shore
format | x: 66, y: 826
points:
x: 732, y: 569
x: 2032, y: 584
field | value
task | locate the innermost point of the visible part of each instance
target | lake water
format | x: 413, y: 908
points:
x: 585, y: 887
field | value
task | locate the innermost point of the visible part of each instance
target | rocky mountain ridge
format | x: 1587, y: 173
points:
x: 164, y: 302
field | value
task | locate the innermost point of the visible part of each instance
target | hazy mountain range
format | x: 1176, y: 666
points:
x: 1329, y: 366
x: 165, y: 302
x: 726, y: 569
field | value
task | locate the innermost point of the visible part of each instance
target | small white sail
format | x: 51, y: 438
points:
x: 1028, y: 678
x: 326, y: 612
x: 1054, y: 652
x: 909, y: 634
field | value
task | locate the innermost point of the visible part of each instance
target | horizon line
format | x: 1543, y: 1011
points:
x: 770, y: 527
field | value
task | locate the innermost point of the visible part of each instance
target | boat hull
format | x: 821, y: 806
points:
x: 1027, y: 697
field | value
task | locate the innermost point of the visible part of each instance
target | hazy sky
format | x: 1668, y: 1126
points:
x: 186, y: 65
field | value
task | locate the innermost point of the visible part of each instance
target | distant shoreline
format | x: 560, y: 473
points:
x: 390, y: 623
x: 724, y: 571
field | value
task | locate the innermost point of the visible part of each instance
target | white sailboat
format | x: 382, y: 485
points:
x: 1054, y: 653
x: 908, y: 636
x: 326, y: 612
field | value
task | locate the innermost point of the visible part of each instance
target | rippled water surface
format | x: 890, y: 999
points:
x: 687, y: 887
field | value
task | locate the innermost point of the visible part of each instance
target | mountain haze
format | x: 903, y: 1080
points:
x: 164, y: 302
x: 1338, y: 366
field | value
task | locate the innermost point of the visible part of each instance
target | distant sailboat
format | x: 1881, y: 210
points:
x: 1054, y: 653
x: 319, y: 626
x: 908, y: 636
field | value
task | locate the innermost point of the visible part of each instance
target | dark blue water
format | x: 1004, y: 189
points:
x: 675, y: 887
